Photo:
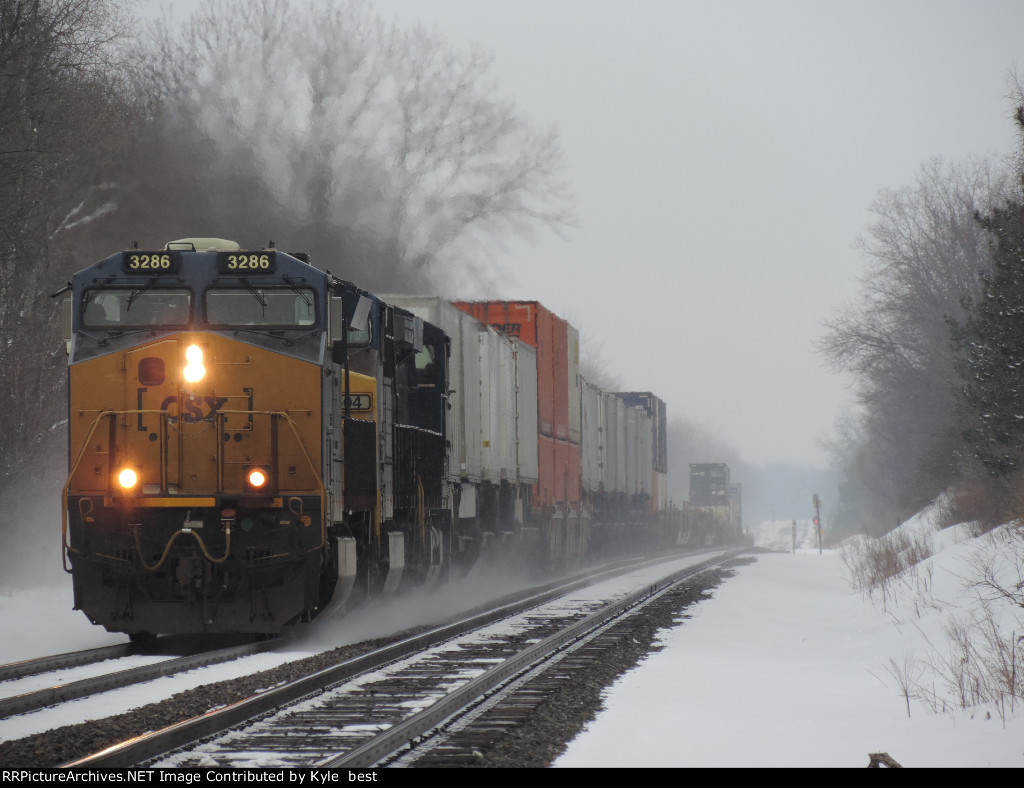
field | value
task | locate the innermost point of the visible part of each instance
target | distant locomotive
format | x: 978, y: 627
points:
x: 253, y: 441
x: 714, y: 500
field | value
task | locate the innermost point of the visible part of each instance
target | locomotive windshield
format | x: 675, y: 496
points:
x: 134, y: 307
x: 268, y: 307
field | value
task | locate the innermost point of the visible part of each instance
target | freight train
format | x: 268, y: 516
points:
x: 253, y: 442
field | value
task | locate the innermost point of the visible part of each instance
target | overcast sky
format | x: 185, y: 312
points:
x: 725, y: 155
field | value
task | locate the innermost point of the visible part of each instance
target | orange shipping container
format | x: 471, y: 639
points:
x: 560, y: 374
x: 567, y: 472
x: 544, y: 490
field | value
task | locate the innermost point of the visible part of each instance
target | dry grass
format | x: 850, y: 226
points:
x: 980, y: 664
x: 878, y: 567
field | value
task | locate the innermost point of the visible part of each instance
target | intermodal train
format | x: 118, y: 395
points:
x: 253, y: 442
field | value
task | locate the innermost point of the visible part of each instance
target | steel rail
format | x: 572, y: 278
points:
x: 71, y: 659
x: 51, y: 696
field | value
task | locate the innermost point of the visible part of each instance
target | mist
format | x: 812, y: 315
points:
x: 488, y: 581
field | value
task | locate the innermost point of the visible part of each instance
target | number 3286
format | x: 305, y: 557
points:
x: 248, y: 261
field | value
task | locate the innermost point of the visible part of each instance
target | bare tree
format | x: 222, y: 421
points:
x: 923, y: 255
x: 61, y: 106
x: 387, y: 153
x: 466, y: 161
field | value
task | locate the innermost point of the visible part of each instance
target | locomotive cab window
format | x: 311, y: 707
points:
x: 426, y: 371
x: 135, y: 307
x: 358, y: 337
x: 261, y: 307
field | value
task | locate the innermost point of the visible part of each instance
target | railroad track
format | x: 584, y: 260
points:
x: 59, y: 692
x: 426, y: 688
x: 32, y: 667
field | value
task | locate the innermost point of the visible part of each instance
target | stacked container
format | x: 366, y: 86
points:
x: 558, y: 391
x: 656, y: 453
x: 624, y: 446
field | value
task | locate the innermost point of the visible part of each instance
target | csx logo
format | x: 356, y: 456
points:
x: 190, y: 410
x: 513, y: 329
x: 198, y: 409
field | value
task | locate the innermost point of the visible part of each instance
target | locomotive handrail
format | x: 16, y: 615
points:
x: 65, y: 547
x: 321, y: 490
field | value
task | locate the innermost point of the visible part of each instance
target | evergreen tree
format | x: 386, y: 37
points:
x: 991, y: 340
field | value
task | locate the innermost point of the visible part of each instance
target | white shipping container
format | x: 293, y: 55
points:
x: 660, y: 491
x: 614, y: 454
x: 639, y: 454
x: 592, y: 432
x: 575, y: 384
x: 469, y: 348
x: 645, y: 452
x: 507, y: 420
x: 498, y: 406
x: 632, y: 472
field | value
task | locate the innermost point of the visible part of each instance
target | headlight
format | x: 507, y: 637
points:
x: 257, y: 478
x: 127, y: 478
x: 194, y: 369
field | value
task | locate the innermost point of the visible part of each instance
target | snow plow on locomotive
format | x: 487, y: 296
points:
x: 253, y: 441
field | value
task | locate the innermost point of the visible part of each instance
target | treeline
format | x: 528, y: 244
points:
x: 387, y: 155
x: 935, y: 345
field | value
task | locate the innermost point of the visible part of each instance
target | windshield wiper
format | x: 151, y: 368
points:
x: 98, y: 285
x: 295, y: 287
x: 136, y: 293
x: 293, y: 340
x: 95, y: 339
x: 255, y: 293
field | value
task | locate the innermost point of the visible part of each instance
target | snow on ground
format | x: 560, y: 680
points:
x: 40, y: 622
x: 787, y: 666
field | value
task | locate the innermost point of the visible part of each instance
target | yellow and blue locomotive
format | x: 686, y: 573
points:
x: 251, y: 442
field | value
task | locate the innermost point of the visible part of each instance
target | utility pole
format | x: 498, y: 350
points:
x: 794, y: 537
x: 817, y: 519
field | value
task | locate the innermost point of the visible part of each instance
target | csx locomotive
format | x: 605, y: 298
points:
x: 253, y: 441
